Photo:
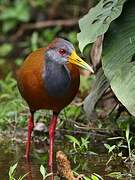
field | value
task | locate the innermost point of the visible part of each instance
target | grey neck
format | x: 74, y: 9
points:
x: 56, y: 78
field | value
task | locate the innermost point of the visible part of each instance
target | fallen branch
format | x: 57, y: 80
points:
x: 43, y: 24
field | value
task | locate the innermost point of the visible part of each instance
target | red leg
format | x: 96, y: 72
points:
x: 30, y: 129
x: 51, y: 135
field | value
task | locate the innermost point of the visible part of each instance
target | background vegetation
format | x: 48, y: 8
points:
x: 26, y: 26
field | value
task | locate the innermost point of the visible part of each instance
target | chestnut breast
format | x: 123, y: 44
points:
x: 33, y: 83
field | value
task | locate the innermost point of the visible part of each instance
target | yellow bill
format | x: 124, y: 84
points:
x: 75, y: 59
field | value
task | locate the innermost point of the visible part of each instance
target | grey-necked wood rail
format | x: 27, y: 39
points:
x: 49, y: 79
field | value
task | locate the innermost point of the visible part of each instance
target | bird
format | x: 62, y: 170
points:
x: 49, y: 79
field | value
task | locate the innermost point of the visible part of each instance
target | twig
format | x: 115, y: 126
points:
x: 85, y: 132
x: 43, y: 24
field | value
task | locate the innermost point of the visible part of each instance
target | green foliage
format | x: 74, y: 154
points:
x: 117, y: 175
x: 85, y: 83
x: 5, y: 49
x: 114, y: 151
x: 121, y: 143
x: 12, y: 171
x: 118, y: 46
x: 97, y: 21
x: 120, y: 175
x: 118, y: 57
x: 11, y: 102
x: 93, y: 176
x: 128, y: 139
x: 72, y: 111
x: 79, y: 146
x: 10, y: 16
x: 44, y: 173
x: 34, y: 41
x: 16, y: 40
x: 49, y: 34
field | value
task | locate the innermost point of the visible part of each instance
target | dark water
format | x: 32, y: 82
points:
x: 13, y: 151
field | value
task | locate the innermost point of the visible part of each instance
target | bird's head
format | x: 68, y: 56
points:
x: 62, y: 52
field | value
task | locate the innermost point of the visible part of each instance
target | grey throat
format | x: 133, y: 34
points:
x: 56, y: 78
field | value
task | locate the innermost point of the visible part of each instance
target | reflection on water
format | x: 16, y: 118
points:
x: 12, y: 152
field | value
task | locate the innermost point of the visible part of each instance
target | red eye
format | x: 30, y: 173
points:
x: 62, y: 51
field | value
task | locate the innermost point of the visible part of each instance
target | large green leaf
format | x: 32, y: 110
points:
x: 119, y: 56
x: 97, y: 21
